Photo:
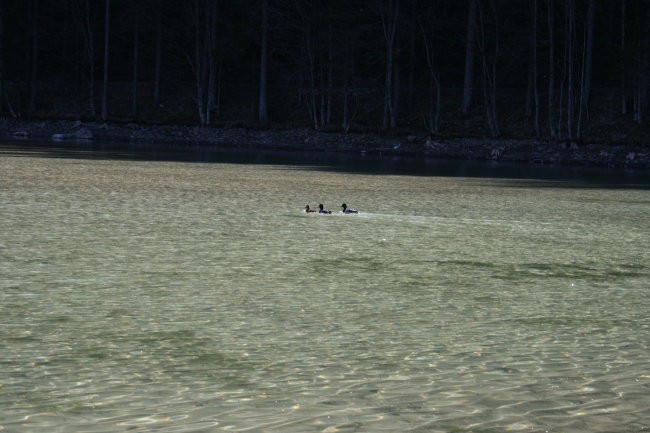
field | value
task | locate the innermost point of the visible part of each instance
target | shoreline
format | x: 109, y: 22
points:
x: 530, y: 151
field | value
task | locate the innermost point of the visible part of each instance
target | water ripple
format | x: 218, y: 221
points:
x: 144, y: 296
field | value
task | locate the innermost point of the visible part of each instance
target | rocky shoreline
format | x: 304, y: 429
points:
x: 531, y: 151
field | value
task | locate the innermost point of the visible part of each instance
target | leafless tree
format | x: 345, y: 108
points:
x: 316, y: 62
x: 389, y: 19
x: 158, y: 57
x: 264, y: 60
x: 641, y: 90
x: 622, y: 61
x: 587, y: 61
x: 204, y: 16
x: 470, y: 44
x: 551, y: 69
x: 2, y: 62
x: 87, y: 25
x: 489, y: 63
x: 350, y: 91
x: 568, y: 73
x: 33, y: 82
x: 428, y: 27
x: 136, y: 55
x: 107, y: 21
x: 533, y: 90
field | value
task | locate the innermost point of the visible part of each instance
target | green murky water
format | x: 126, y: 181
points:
x: 192, y: 297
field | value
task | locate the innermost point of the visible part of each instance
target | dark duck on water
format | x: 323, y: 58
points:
x: 348, y: 210
x: 323, y: 210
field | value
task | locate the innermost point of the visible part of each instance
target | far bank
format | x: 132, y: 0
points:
x: 531, y: 151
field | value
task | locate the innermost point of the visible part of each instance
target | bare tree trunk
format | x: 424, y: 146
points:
x: 432, y: 118
x: 91, y: 86
x: 642, y: 79
x: 585, y: 84
x: 2, y: 61
x: 586, y: 96
x: 136, y: 43
x: 528, y: 110
x: 489, y: 69
x: 535, y: 88
x: 345, y: 124
x: 389, y: 18
x: 638, y: 91
x: 397, y: 87
x: 106, y: 48
x: 310, y: 66
x: 317, y: 62
x: 212, y: 94
x: 323, y: 96
x: 388, y: 88
x: 531, y: 66
x: 641, y: 90
x: 312, y: 84
x: 156, y: 79
x: 622, y: 60
x: 469, y: 57
x: 330, y: 76
x: 411, y: 64
x: 262, y: 112
x: 493, y: 87
x: 637, y: 102
x: 565, y: 67
x: 204, y: 20
x: 199, y: 60
x: 89, y: 50
x: 33, y: 81
x: 570, y: 36
x: 551, y: 69
x: 65, y: 67
x: 211, y: 29
x: 349, y: 88
x: 217, y: 101
x: 436, y: 119
x: 532, y: 95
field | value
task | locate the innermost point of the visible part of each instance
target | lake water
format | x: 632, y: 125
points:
x: 176, y: 296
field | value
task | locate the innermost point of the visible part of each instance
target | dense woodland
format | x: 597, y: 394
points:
x: 556, y: 69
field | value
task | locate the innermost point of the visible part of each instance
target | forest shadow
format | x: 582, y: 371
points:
x: 507, y: 174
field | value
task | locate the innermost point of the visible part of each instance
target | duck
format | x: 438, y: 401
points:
x: 347, y: 210
x: 322, y: 209
x: 309, y: 210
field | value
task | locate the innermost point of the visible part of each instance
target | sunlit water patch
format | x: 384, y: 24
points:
x: 162, y: 296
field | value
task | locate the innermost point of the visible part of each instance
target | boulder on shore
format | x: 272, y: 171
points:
x: 80, y: 134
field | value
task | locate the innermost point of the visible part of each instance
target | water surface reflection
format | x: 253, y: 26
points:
x: 145, y: 294
x: 335, y: 162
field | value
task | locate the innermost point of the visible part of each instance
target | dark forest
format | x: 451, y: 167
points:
x: 555, y: 69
